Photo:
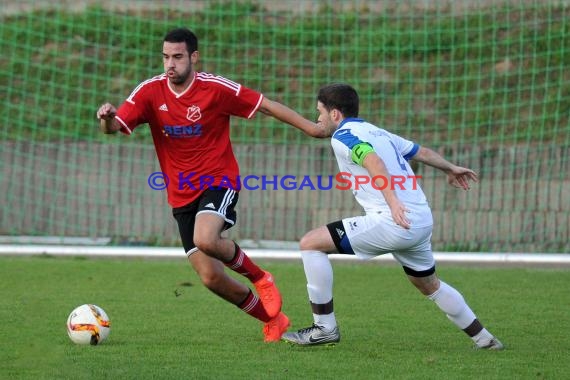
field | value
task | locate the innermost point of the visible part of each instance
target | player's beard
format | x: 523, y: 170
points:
x: 181, y: 78
x: 329, y: 127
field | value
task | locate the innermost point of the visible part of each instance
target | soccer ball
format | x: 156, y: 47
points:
x: 88, y: 324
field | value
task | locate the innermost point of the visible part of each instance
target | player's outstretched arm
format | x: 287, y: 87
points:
x: 457, y: 176
x: 106, y: 115
x: 287, y: 115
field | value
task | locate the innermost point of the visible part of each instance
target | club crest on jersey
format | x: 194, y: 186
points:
x: 193, y: 113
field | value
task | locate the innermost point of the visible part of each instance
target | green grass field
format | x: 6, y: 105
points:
x: 166, y: 325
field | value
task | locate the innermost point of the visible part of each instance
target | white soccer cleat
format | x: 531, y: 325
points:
x: 494, y: 344
x: 312, y: 336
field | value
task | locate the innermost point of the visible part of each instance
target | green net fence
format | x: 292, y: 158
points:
x: 484, y: 83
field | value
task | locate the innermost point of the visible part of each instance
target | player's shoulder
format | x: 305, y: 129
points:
x: 377, y: 131
x: 148, y: 85
x: 352, y: 127
x: 216, y: 81
x: 151, y: 83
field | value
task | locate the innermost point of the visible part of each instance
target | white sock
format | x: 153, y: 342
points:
x: 451, y: 302
x: 319, y: 273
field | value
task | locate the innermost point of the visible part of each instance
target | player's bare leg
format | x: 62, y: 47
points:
x: 212, y: 274
x: 452, y: 303
x: 267, y: 305
x: 208, y: 238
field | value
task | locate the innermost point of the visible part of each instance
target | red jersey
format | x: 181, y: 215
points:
x: 191, y: 131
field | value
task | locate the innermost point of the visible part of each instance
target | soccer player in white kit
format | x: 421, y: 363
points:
x: 397, y: 218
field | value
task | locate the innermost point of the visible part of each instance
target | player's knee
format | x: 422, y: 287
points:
x: 306, y: 243
x: 426, y: 282
x: 212, y: 280
x: 426, y: 289
x: 206, y: 245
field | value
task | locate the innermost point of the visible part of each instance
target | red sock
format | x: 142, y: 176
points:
x: 244, y: 266
x: 253, y: 307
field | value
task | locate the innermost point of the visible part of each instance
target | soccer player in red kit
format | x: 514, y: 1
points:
x: 189, y: 116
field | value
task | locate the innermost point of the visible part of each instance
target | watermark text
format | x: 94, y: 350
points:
x: 340, y: 181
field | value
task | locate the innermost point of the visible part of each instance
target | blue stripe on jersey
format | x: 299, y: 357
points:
x: 347, y: 138
x: 344, y: 135
x: 412, y: 152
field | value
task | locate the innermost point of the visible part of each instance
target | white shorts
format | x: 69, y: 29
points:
x: 372, y: 235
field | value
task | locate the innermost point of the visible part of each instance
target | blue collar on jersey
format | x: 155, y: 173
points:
x: 348, y: 120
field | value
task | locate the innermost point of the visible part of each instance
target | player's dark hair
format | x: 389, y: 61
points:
x: 183, y: 35
x: 341, y: 97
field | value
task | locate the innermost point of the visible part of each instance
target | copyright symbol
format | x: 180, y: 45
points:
x: 158, y: 181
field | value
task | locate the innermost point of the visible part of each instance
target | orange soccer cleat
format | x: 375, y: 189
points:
x: 275, y: 328
x: 269, y: 294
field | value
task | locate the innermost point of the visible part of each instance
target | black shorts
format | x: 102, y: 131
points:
x: 218, y: 201
x: 340, y: 237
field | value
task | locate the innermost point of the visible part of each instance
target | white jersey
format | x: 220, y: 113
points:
x: 395, y: 151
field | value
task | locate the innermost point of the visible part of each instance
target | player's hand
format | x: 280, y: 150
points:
x: 106, y: 112
x: 399, y: 214
x: 459, y: 177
